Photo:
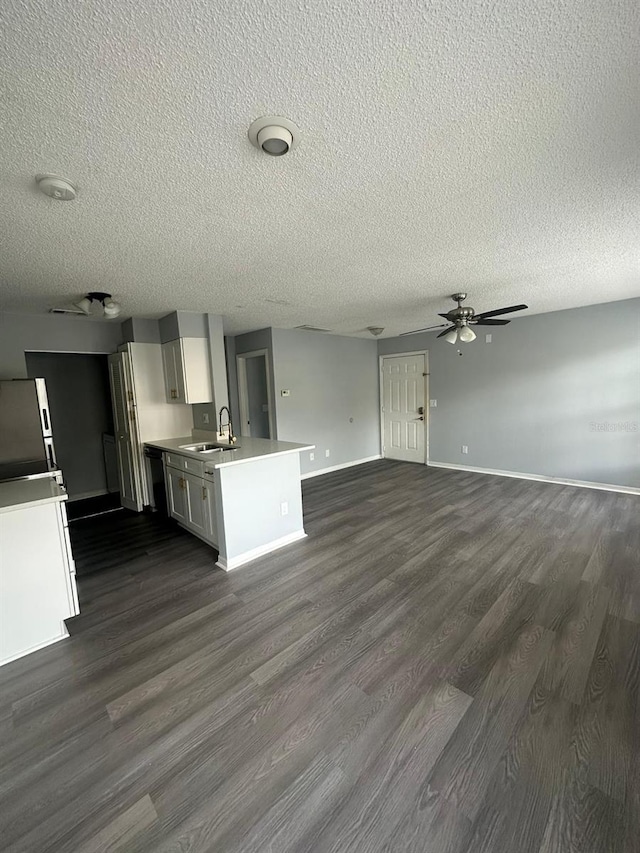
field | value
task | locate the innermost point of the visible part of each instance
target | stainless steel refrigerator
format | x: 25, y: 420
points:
x: 26, y: 437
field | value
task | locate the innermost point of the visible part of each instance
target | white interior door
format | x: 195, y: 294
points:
x: 123, y: 413
x: 403, y: 407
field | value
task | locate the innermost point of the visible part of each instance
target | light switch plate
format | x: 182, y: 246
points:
x: 433, y: 404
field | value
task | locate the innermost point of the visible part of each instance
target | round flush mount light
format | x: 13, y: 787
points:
x: 56, y: 187
x: 275, y: 135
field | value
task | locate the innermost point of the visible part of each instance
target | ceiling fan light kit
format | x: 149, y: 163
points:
x: 466, y: 334
x: 459, y: 320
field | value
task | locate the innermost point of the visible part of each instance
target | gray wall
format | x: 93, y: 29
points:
x: 334, y: 401
x: 554, y: 394
x: 80, y: 407
x: 182, y: 324
x: 229, y: 367
x: 51, y: 333
x: 141, y: 331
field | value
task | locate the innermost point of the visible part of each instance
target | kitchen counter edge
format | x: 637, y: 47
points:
x: 249, y: 449
x: 21, y: 494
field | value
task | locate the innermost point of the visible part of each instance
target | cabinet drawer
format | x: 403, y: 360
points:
x: 193, y: 466
x: 174, y: 460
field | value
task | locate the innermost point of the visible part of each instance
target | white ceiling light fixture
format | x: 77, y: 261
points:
x: 452, y: 336
x: 56, y: 187
x: 466, y: 334
x: 275, y: 135
x: 376, y: 331
x: 110, y: 307
x: 84, y: 305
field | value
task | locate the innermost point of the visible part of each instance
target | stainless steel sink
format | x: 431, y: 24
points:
x: 205, y: 448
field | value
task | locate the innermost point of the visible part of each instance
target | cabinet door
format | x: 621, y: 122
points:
x: 178, y: 361
x: 197, y: 507
x: 169, y: 372
x: 176, y: 494
x: 196, y: 370
x: 173, y: 372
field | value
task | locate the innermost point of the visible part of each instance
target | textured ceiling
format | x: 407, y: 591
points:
x: 490, y: 146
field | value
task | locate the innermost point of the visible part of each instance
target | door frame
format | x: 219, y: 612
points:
x: 243, y: 394
x: 129, y: 413
x: 425, y: 353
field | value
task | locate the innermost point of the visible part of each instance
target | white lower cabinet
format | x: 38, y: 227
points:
x: 191, y: 499
x: 197, y: 507
x: 37, y: 577
x: 176, y: 496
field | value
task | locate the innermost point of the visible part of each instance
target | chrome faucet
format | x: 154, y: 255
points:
x: 229, y: 425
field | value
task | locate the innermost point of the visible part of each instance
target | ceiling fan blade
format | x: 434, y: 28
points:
x: 446, y: 331
x: 488, y: 322
x: 415, y: 331
x: 446, y: 316
x: 500, y: 311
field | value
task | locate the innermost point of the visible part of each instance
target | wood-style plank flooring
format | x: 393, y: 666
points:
x: 450, y: 662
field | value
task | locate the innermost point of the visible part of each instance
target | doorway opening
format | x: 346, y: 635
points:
x: 255, y: 395
x: 82, y: 424
x: 404, y: 394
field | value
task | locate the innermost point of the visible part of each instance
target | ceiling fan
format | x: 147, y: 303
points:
x: 460, y: 319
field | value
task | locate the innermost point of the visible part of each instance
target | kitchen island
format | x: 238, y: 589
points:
x: 37, y: 571
x: 243, y: 499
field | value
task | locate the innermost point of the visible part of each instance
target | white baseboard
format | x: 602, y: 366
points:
x: 340, y: 467
x: 228, y: 564
x: 583, y: 484
x: 84, y: 495
x: 37, y: 648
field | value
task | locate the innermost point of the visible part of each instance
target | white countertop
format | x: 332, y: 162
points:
x: 245, y: 450
x: 20, y: 494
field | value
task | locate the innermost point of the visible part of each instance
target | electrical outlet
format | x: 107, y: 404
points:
x: 312, y: 456
x: 284, y: 508
x: 433, y: 404
x: 465, y: 449
x: 327, y: 453
x: 205, y: 417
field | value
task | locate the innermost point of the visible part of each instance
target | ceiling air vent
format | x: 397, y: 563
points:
x: 65, y: 311
x: 312, y: 329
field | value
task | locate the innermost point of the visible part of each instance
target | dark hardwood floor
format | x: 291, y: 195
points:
x: 449, y: 663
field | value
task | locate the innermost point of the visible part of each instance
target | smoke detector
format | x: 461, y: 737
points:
x: 274, y: 135
x: 56, y: 187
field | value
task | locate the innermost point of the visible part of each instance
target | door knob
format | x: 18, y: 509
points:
x: 421, y: 418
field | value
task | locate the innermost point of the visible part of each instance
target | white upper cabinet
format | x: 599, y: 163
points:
x: 187, y: 372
